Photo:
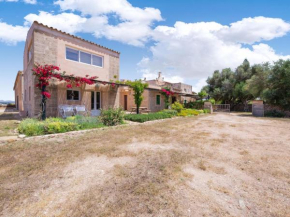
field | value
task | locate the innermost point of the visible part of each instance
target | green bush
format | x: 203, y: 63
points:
x: 31, y: 127
x: 177, y: 106
x: 34, y: 127
x: 194, y: 105
x: 169, y: 111
x: 275, y: 113
x: 206, y: 111
x: 147, y: 117
x: 188, y: 112
x: 112, y: 116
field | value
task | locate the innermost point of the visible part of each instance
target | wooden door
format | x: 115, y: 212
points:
x: 125, y: 102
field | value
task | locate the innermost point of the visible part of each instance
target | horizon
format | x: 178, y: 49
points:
x: 186, y: 42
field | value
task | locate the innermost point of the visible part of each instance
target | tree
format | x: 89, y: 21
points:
x: 230, y: 87
x: 278, y: 88
x: 202, y: 94
x: 138, y: 87
x: 259, y: 81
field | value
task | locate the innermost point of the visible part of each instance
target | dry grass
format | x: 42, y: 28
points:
x: 8, y: 127
x: 197, y: 166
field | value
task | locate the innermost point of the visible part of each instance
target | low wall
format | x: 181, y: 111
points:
x: 268, y: 107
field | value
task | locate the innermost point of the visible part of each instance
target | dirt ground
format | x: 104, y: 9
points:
x: 212, y: 165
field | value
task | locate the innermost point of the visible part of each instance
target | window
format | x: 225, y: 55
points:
x: 29, y: 94
x: 86, y: 58
x: 157, y: 99
x: 83, y: 57
x: 72, y: 54
x: 97, y: 61
x: 29, y: 55
x: 73, y: 95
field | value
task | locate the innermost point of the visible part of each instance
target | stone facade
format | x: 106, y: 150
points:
x: 45, y: 45
x: 18, y: 91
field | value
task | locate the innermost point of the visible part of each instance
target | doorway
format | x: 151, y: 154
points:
x: 126, y: 102
x: 173, y: 99
x: 95, y: 103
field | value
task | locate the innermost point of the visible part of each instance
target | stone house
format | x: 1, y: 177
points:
x: 18, y: 91
x: 46, y: 45
x: 153, y: 99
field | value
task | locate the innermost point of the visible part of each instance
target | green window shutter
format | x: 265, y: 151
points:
x: 157, y: 99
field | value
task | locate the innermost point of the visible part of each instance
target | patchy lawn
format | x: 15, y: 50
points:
x: 8, y: 123
x: 215, y: 165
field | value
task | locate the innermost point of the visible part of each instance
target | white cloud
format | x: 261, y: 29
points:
x: 152, y: 76
x: 8, y: 0
x: 133, y: 24
x: 25, y: 1
x: 67, y: 22
x: 10, y: 34
x: 200, y: 84
x: 194, y: 50
x: 33, y: 2
x: 251, y: 30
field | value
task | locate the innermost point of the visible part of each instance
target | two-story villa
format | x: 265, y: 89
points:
x: 46, y: 45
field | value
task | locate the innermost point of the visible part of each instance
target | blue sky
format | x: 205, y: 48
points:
x: 186, y: 40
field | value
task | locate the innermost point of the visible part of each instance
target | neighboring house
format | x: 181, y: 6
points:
x: 153, y: 99
x: 18, y: 91
x: 46, y: 45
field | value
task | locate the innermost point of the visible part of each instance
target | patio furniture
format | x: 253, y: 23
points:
x: 66, y: 111
x: 141, y: 110
x: 80, y: 110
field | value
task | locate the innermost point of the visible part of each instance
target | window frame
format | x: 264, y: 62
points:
x: 29, y: 93
x: 79, y: 57
x: 73, y: 91
x: 29, y: 53
x: 156, y: 101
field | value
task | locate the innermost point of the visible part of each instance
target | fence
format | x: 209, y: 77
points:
x: 222, y: 108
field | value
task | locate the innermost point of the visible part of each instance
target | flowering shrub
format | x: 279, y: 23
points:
x: 167, y: 93
x: 177, y: 106
x: 47, y: 72
x: 188, y: 112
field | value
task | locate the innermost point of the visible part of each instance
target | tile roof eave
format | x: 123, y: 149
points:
x: 65, y: 33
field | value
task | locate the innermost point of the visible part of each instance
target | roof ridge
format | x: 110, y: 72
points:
x: 75, y: 36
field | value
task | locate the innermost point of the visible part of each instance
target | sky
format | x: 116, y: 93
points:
x: 184, y: 39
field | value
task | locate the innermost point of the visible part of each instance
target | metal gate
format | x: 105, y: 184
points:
x: 222, y: 108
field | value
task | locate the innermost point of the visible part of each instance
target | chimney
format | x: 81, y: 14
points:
x: 159, y: 74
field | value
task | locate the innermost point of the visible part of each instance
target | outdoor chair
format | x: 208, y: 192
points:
x: 80, y: 110
x: 66, y: 111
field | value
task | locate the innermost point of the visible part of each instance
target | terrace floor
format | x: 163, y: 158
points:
x: 211, y: 165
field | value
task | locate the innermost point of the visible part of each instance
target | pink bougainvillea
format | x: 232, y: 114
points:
x: 46, y: 72
x: 166, y: 92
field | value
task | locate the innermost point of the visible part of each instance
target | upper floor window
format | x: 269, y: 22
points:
x: 83, y: 57
x: 29, y: 55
